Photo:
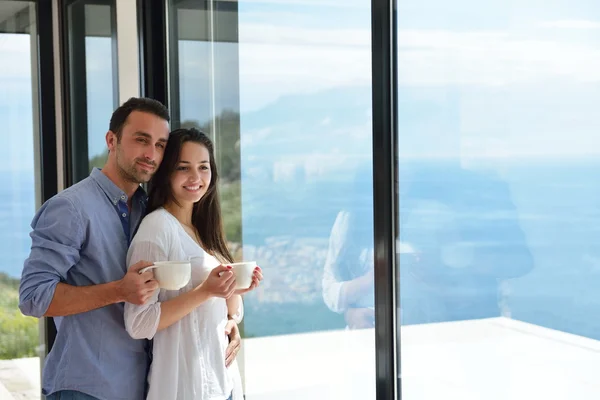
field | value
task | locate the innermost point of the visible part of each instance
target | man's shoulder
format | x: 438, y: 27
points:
x: 74, y: 198
x: 80, y: 193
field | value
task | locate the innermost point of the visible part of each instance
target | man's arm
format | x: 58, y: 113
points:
x: 135, y: 288
x: 56, y: 240
x: 68, y: 299
x: 235, y: 342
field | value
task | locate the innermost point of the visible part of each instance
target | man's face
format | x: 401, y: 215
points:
x: 140, y: 150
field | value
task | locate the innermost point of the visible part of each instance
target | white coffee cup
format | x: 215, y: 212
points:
x: 171, y: 275
x: 243, y: 272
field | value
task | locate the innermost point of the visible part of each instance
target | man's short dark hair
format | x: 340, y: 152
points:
x: 142, y: 104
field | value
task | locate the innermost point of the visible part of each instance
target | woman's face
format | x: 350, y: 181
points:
x: 192, y: 175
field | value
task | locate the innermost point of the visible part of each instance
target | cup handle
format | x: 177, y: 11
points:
x: 147, y: 269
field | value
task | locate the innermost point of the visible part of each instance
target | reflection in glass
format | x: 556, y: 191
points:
x: 285, y: 91
x: 19, y: 337
x: 498, y: 200
x: 348, y: 278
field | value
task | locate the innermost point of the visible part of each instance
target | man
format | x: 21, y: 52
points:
x: 76, y: 270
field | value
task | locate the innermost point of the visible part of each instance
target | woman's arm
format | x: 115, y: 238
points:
x: 235, y: 304
x: 339, y: 295
x: 235, y: 308
x: 143, y: 321
x: 175, y: 309
x: 219, y: 283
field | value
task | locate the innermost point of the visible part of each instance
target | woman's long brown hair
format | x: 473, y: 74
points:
x: 206, y: 214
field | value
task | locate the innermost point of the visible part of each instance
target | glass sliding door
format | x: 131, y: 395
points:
x: 284, y: 89
x: 20, y: 193
x: 498, y: 199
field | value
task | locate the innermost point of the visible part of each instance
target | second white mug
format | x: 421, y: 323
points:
x: 243, y: 272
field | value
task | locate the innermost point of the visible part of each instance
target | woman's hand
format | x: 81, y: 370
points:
x: 220, y: 282
x: 235, y: 342
x: 257, y: 277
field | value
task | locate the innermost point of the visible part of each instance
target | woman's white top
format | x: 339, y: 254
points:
x: 334, y: 286
x: 188, y: 361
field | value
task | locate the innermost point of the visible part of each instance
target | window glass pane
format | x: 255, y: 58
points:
x: 101, y: 78
x: 93, y: 81
x: 19, y: 192
x: 498, y: 199
x: 284, y: 89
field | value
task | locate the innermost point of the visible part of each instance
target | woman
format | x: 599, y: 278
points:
x: 348, y: 276
x: 190, y: 357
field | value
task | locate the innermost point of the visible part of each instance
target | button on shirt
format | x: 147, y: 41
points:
x: 80, y: 237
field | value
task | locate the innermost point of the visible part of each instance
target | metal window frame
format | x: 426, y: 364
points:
x: 47, y: 99
x: 47, y: 132
x: 52, y: 95
x: 153, y: 48
x: 385, y: 150
x: 74, y: 93
x: 46, y: 120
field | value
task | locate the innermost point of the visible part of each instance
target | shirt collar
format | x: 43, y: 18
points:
x: 114, y: 193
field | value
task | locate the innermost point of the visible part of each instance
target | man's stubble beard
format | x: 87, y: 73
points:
x: 129, y: 172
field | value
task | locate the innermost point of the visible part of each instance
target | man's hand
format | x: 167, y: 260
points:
x: 257, y: 277
x: 360, y: 318
x: 235, y: 342
x: 136, y: 288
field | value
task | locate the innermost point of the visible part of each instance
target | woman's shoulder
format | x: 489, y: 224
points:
x: 158, y: 223
x: 158, y: 216
x: 342, y: 221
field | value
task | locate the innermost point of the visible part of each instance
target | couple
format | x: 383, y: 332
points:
x: 85, y: 262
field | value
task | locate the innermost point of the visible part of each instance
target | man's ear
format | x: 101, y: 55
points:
x: 111, y: 140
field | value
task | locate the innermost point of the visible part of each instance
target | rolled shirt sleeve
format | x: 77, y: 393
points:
x: 334, y: 293
x: 56, y: 241
x: 141, y: 321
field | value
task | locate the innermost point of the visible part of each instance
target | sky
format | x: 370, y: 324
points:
x: 477, y: 79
